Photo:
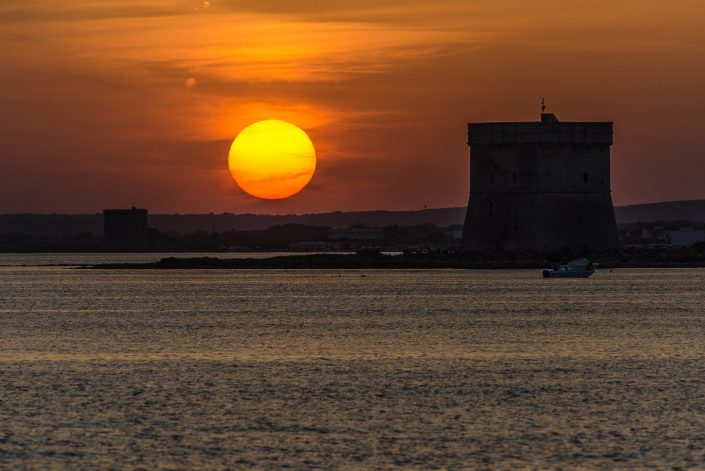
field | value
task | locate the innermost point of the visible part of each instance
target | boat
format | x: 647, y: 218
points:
x: 579, y: 268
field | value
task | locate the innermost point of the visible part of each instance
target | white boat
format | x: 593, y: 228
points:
x: 579, y: 268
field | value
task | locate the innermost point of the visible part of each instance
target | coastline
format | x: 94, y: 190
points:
x: 381, y: 261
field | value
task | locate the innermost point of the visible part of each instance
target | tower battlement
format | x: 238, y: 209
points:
x: 540, y: 133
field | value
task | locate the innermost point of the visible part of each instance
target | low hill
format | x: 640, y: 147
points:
x: 220, y: 222
x: 693, y: 210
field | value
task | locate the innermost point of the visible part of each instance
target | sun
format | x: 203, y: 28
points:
x: 272, y: 159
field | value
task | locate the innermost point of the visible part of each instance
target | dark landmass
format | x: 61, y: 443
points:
x: 224, y: 222
x: 301, y: 238
x: 387, y: 230
x: 69, y: 225
x: 285, y: 238
x: 643, y: 257
x: 61, y: 225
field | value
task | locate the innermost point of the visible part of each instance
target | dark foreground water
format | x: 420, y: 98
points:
x: 373, y: 369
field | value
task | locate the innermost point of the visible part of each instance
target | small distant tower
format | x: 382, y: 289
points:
x: 540, y: 186
x: 125, y: 229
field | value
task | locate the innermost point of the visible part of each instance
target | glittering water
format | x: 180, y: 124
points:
x: 355, y: 369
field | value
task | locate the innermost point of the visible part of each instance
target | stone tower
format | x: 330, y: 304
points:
x: 540, y: 186
x: 125, y: 229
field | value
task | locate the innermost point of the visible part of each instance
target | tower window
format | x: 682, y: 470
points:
x: 585, y: 177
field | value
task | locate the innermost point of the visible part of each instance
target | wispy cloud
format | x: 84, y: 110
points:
x: 73, y: 10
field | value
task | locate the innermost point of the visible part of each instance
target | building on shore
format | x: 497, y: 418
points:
x: 125, y: 229
x: 540, y: 186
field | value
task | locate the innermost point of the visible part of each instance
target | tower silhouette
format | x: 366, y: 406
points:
x: 540, y: 186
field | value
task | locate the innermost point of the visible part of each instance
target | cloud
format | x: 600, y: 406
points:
x: 12, y: 11
x: 235, y: 44
x: 202, y: 6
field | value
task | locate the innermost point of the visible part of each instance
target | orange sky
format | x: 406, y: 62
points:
x: 109, y: 102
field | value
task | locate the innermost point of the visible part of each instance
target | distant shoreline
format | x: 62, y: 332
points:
x: 382, y: 261
x: 64, y: 225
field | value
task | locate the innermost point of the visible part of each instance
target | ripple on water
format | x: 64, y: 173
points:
x: 326, y: 369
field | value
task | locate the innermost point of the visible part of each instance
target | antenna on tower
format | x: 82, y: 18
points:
x: 543, y: 105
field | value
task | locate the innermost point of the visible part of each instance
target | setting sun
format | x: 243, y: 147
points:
x: 272, y: 159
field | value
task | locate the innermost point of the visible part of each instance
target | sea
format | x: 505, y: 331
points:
x: 348, y: 369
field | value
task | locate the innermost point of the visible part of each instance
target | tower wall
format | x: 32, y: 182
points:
x: 540, y: 186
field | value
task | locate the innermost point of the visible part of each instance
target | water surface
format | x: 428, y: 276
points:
x: 373, y: 369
